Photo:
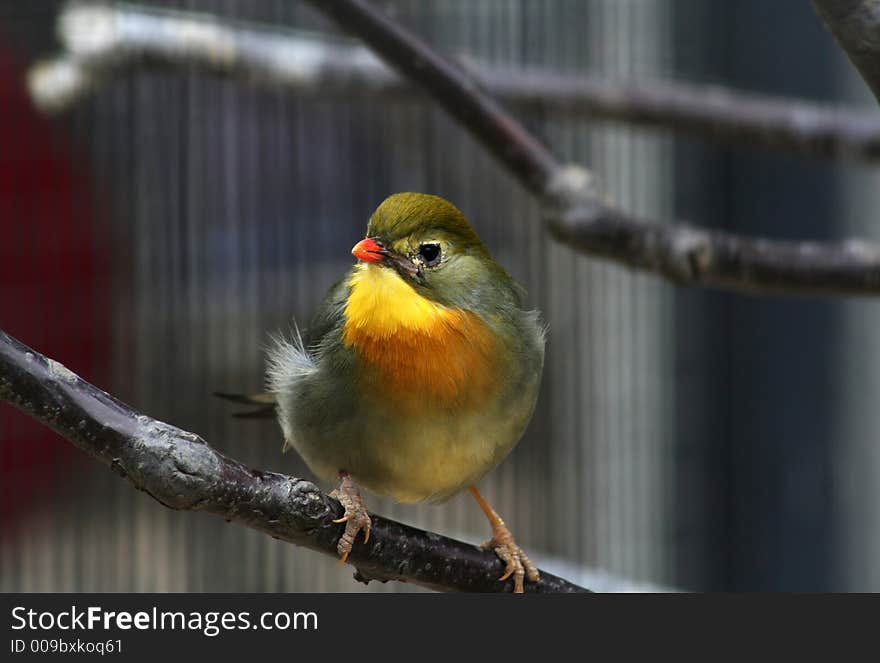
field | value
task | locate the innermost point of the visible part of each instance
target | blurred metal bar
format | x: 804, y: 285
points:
x: 102, y: 40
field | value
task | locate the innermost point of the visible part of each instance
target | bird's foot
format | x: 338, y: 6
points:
x: 356, y: 517
x: 518, y: 563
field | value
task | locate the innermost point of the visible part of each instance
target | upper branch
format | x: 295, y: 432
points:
x: 578, y: 212
x: 101, y: 38
x: 104, y: 40
x: 181, y: 471
x: 855, y: 25
x: 712, y: 112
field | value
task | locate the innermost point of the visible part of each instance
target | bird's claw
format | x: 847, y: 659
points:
x: 518, y: 563
x: 356, y: 517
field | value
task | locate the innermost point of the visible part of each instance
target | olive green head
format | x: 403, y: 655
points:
x: 431, y: 244
x: 408, y: 219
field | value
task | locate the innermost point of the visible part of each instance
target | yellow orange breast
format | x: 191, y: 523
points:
x: 413, y: 351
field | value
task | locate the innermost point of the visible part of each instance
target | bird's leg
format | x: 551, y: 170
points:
x: 518, y: 563
x: 356, y: 517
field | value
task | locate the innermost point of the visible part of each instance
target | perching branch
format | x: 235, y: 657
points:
x: 855, y: 25
x: 576, y: 210
x: 103, y: 41
x: 182, y: 472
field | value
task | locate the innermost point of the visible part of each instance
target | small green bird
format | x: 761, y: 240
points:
x: 419, y: 372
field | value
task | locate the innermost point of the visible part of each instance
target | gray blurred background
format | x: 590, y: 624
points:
x: 153, y: 236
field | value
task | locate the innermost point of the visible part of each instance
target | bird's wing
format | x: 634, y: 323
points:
x: 328, y: 315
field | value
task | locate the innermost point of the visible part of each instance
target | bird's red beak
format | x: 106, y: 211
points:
x: 368, y: 250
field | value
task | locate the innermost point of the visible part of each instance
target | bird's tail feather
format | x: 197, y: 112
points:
x: 265, y: 401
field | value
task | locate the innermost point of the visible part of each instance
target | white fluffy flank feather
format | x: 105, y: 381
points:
x: 288, y: 363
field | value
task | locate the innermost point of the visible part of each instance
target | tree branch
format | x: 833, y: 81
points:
x: 714, y: 113
x: 577, y: 211
x: 855, y: 25
x: 102, y: 41
x: 180, y: 470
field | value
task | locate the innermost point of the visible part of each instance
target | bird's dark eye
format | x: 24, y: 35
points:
x: 430, y: 254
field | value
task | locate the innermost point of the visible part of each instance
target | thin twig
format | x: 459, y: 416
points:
x: 102, y: 41
x: 182, y: 472
x: 855, y: 25
x: 577, y: 211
